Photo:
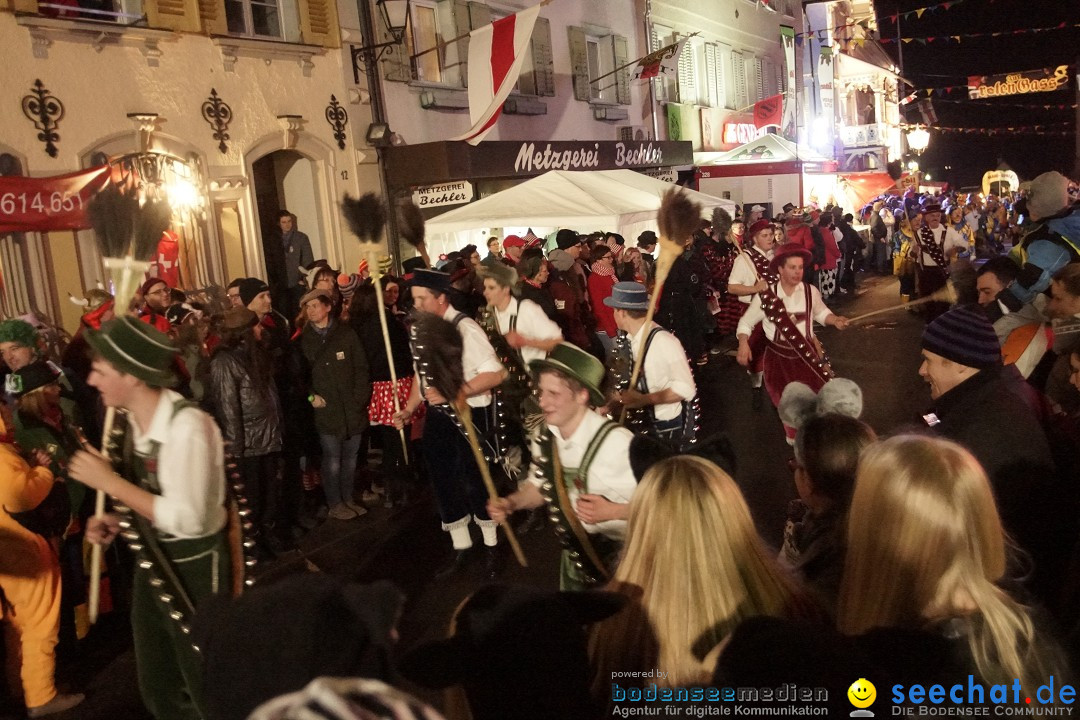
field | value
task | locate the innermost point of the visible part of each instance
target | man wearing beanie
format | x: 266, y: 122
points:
x: 977, y: 405
x: 1053, y: 239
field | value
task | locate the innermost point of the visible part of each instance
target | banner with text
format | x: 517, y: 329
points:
x: 788, y: 124
x: 1018, y: 83
x: 49, y: 203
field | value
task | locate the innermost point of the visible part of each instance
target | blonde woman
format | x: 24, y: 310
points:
x: 693, y: 567
x: 925, y: 553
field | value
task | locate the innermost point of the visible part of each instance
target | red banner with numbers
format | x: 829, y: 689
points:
x: 50, y: 203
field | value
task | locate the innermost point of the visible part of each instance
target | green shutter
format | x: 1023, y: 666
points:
x: 543, y: 61
x: 579, y: 62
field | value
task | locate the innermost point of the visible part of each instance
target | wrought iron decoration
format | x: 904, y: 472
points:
x: 338, y: 119
x: 46, y: 112
x: 218, y: 113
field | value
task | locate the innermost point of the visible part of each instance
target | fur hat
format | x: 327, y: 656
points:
x: 501, y: 273
x: 1047, y: 195
x: 799, y: 403
x: 19, y: 331
x: 561, y: 260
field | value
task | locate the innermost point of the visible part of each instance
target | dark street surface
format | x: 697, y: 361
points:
x: 406, y: 545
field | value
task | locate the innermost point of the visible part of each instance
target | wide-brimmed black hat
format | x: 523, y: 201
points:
x: 136, y: 348
x: 432, y: 280
x: 35, y: 375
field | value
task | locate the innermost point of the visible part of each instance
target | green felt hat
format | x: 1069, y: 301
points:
x: 578, y: 364
x: 136, y: 348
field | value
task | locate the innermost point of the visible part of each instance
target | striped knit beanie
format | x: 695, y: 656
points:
x: 965, y: 336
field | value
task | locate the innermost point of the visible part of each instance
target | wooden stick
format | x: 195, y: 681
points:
x: 945, y: 294
x: 94, y: 600
x: 464, y: 412
x: 373, y: 261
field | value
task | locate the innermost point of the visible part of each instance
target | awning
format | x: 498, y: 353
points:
x: 866, y: 186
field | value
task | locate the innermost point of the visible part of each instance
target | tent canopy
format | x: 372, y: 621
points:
x: 581, y: 200
x: 767, y: 148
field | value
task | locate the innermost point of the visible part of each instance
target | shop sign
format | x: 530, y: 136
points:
x: 665, y: 174
x: 49, y: 203
x: 1020, y: 83
x: 532, y: 158
x: 450, y: 193
x: 741, y: 133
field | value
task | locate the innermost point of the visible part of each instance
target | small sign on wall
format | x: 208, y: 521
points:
x: 457, y: 192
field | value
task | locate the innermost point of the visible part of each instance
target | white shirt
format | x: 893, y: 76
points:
x: 666, y: 367
x: 953, y: 241
x: 743, y: 271
x: 477, y: 355
x: 609, y: 474
x: 532, y: 322
x: 793, y: 303
x: 190, y: 469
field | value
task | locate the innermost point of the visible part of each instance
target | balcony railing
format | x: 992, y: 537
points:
x: 864, y: 135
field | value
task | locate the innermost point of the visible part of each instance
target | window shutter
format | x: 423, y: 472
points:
x: 319, y: 23
x: 724, y: 75
x: 579, y: 62
x: 462, y: 26
x: 738, y: 72
x: 712, y: 79
x: 212, y: 16
x: 622, y: 77
x: 686, y: 81
x: 759, y: 80
x: 543, y: 62
x: 182, y: 15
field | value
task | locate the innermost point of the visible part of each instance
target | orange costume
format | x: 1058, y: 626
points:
x: 30, y: 580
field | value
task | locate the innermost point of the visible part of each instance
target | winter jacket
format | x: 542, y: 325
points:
x: 339, y: 374
x: 248, y: 414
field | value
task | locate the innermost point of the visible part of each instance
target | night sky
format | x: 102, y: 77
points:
x: 936, y: 64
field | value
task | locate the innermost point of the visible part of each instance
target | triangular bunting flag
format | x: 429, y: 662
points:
x: 919, y: 12
x: 906, y: 40
x: 956, y: 38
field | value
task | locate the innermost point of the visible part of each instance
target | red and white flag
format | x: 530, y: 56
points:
x: 496, y: 52
x: 769, y: 111
x: 664, y: 61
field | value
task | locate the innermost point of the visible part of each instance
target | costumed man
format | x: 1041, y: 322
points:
x: 1053, y: 240
x: 459, y: 487
x: 786, y: 311
x: 523, y: 323
x: 97, y: 308
x: 168, y: 475
x: 665, y: 393
x: 581, y: 468
x: 750, y: 274
x: 935, y: 247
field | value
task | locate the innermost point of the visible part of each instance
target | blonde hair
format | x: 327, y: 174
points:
x: 695, y: 567
x: 925, y: 543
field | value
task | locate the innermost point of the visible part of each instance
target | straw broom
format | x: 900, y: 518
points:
x: 127, y: 235
x: 678, y: 218
x: 945, y: 294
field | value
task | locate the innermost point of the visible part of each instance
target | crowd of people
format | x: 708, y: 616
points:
x: 532, y: 380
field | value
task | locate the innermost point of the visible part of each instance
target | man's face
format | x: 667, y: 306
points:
x: 574, y: 251
x: 115, y: 387
x: 233, y: 294
x: 764, y: 239
x: 791, y: 272
x: 260, y: 304
x: 513, y: 252
x: 157, y: 297
x: 493, y: 246
x: 559, y: 403
x: 16, y: 356
x: 988, y: 286
x: 426, y: 301
x: 496, y: 294
x: 316, y: 311
x: 737, y: 229
x: 1061, y: 304
x: 941, y: 373
x: 286, y: 223
x: 932, y: 219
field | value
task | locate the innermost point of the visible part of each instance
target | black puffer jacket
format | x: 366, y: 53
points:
x: 248, y: 413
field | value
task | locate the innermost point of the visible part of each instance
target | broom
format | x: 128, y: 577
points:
x: 678, y: 218
x: 945, y: 294
x: 127, y: 235
x: 367, y: 218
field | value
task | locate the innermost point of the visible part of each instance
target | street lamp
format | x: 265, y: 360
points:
x: 395, y: 18
x: 918, y: 139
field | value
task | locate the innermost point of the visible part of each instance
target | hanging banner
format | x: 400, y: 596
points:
x: 1019, y: 83
x: 828, y: 114
x: 49, y: 203
x: 788, y: 124
x: 664, y: 61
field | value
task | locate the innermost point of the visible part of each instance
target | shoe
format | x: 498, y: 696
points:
x: 60, y: 703
x: 370, y: 496
x: 341, y: 511
x: 461, y: 560
x: 356, y: 507
x: 492, y: 562
x: 534, y: 520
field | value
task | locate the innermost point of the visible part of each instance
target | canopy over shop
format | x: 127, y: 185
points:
x: 444, y: 174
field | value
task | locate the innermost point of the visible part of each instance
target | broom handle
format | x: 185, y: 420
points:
x: 94, y: 600
x: 373, y: 262
x: 936, y: 297
x: 662, y: 271
x: 463, y: 411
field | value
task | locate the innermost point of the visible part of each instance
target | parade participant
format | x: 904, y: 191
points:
x: 522, y: 322
x: 98, y: 307
x: 18, y: 344
x: 1052, y: 242
x: 29, y: 578
x: 665, y: 391
x: 750, y: 274
x: 787, y: 310
x: 156, y: 295
x: 958, y: 222
x: 459, y: 487
x: 581, y: 468
x: 934, y: 248
x: 513, y: 246
x: 173, y: 480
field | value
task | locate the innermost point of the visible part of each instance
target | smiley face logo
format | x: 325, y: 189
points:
x: 862, y: 693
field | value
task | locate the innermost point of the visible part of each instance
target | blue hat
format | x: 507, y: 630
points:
x: 628, y: 296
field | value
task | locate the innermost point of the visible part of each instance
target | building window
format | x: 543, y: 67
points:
x: 424, y: 33
x: 254, y: 18
x: 594, y: 58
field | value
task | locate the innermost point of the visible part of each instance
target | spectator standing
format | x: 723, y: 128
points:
x: 494, y: 253
x: 571, y: 307
x: 534, y: 272
x: 156, y: 296
x: 601, y: 282
x: 291, y: 249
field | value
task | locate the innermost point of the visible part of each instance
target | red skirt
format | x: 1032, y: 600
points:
x: 783, y: 365
x: 731, y: 311
x: 381, y: 407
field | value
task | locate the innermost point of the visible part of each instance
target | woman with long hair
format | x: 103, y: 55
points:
x: 926, y: 553
x: 688, y: 588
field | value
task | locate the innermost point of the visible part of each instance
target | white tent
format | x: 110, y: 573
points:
x: 623, y: 201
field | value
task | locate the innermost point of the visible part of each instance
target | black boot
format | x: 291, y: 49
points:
x: 492, y: 562
x: 460, y: 562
